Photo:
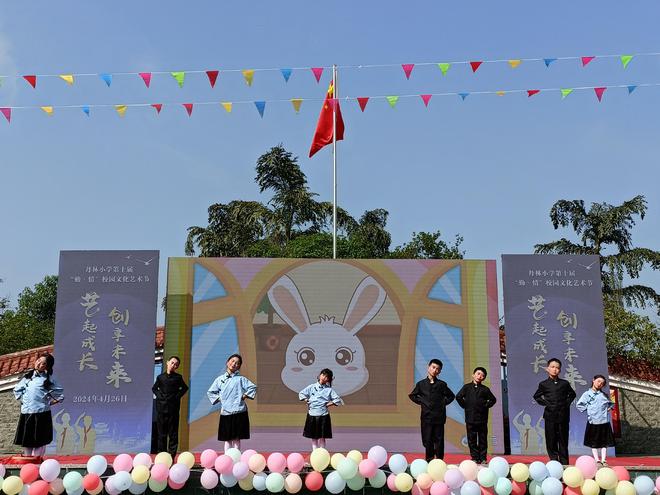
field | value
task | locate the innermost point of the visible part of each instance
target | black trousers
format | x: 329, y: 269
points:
x: 477, y: 437
x: 556, y: 440
x: 168, y: 428
x: 433, y: 439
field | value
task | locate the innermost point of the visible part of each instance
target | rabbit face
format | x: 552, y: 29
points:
x: 326, y: 344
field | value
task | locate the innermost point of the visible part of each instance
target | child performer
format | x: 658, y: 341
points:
x: 319, y: 396
x: 598, y: 433
x: 476, y: 399
x: 556, y: 396
x: 230, y: 390
x: 37, y: 391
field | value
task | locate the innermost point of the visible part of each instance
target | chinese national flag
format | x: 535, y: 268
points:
x: 323, y: 134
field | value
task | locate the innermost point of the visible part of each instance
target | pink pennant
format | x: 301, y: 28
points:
x: 212, y: 75
x: 146, y: 77
x: 532, y: 92
x: 188, y: 107
x: 586, y: 60
x: 318, y: 72
x: 7, y: 113
x: 599, y: 93
x: 32, y: 80
x: 426, y: 99
x: 475, y: 65
x: 157, y: 106
x: 362, y: 101
x: 407, y: 69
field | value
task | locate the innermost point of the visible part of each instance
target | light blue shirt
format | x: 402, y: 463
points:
x: 33, y: 395
x: 318, y: 396
x: 228, y: 390
x: 597, y: 406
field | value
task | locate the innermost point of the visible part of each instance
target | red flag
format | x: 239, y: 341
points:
x: 212, y: 75
x: 32, y: 80
x: 323, y: 134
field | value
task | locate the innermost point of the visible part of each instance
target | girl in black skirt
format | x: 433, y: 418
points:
x: 597, y: 405
x: 319, y: 396
x: 37, y: 391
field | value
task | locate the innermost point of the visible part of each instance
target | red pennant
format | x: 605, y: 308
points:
x: 7, y: 113
x: 475, y: 65
x: 532, y: 92
x: 599, y: 93
x: 146, y: 77
x: 426, y: 99
x: 212, y: 75
x: 407, y: 69
x: 318, y: 72
x: 586, y: 60
x: 362, y: 101
x: 188, y: 107
x: 157, y: 106
x: 32, y: 80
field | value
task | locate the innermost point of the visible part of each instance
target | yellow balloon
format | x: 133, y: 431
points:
x: 319, y: 459
x: 336, y: 459
x: 187, y: 458
x: 606, y: 478
x: 519, y: 472
x: 437, y: 469
x: 163, y: 458
x: 12, y: 485
x: 246, y: 483
x: 590, y: 487
x: 404, y: 482
x: 356, y: 455
x: 573, y: 477
x: 625, y: 487
x: 140, y: 474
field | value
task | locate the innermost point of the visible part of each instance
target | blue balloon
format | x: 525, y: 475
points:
x: 538, y: 471
x: 644, y: 485
x: 552, y: 486
x: 535, y: 488
x: 470, y: 488
x: 500, y: 466
x: 555, y: 469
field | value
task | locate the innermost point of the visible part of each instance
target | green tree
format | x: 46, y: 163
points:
x: 38, y: 303
x: 629, y: 335
x: 430, y: 245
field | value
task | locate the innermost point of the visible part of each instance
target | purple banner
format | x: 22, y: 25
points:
x: 553, y: 307
x: 104, y: 350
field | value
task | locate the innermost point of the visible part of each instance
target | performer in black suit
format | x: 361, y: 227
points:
x: 168, y: 389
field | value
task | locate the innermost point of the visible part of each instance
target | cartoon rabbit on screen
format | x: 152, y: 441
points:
x: 326, y: 344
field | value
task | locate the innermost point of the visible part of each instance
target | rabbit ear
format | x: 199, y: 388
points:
x: 288, y: 304
x: 367, y: 300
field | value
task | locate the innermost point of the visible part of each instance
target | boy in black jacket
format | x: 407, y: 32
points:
x: 168, y: 389
x: 476, y: 399
x: 434, y: 396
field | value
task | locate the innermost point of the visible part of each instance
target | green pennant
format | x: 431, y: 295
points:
x: 625, y: 60
x: 565, y: 92
x: 179, y: 76
x: 444, y: 67
x: 392, y: 100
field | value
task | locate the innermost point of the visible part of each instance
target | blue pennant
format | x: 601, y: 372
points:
x: 286, y: 74
x: 261, y: 106
x: 107, y: 78
x: 86, y: 110
x: 548, y: 61
x: 631, y: 89
x: 463, y: 95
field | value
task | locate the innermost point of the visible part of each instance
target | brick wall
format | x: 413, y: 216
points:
x: 10, y: 409
x: 640, y: 423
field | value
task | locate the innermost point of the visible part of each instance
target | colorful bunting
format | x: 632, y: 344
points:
x: 7, y: 113
x: 48, y: 110
x: 500, y: 93
x: 565, y: 92
x: 599, y: 93
x: 407, y: 69
x: 261, y: 106
x: 67, y: 78
x: 213, y: 76
x: 296, y: 102
x: 146, y: 77
x: 157, y: 106
x: 107, y: 78
x: 475, y: 65
x: 426, y: 99
x: 85, y: 108
x: 179, y: 76
x: 188, y: 107
x: 548, y: 61
x: 532, y: 92
x: 515, y: 63
x: 248, y: 74
x: 286, y: 74
x: 121, y: 109
x: 625, y: 60
x: 463, y: 95
x: 318, y: 72
x: 227, y: 106
x: 32, y: 80
x: 586, y: 60
x: 444, y: 67
x: 362, y: 101
x: 392, y: 100
x: 631, y: 89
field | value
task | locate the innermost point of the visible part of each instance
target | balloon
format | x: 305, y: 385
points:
x: 403, y: 482
x: 245, y: 456
x: 224, y: 464
x: 587, y: 466
x: 77, y: 491
x: 56, y: 486
x: 295, y: 462
x: 228, y: 480
x: 159, y: 474
x: 417, y: 467
x: 179, y: 473
x: 347, y: 468
x: 379, y: 479
x: 142, y: 459
x: 356, y: 455
x: 91, y: 481
x: 276, y: 463
x: 555, y: 469
x: 334, y: 483
x: 234, y: 453
x: 155, y: 485
x: 439, y: 488
x: 569, y: 490
x: 356, y: 483
x: 209, y: 478
x: 137, y: 488
x: 30, y: 473
x: 336, y: 459
x: 256, y: 463
x: 39, y: 488
x: 275, y: 482
x: 625, y: 487
x: 398, y: 463
x: 519, y: 472
x: 3, y: 471
x: 503, y: 486
x: 621, y: 473
x: 437, y: 469
x: 469, y: 469
x: 240, y: 470
x: 486, y: 477
x: 246, y: 483
x: 643, y: 485
x: 186, y: 458
x: 97, y: 464
x: 552, y: 486
x: 573, y: 477
x: 367, y: 468
x: 470, y: 488
x: 122, y: 480
x: 657, y: 484
x: 207, y: 458
x: 424, y: 481
x: 454, y: 478
x: 292, y: 483
x: 314, y: 481
x: 123, y: 462
x: 259, y: 481
x: 518, y: 487
x: 174, y: 485
x: 140, y: 474
x: 538, y: 471
x: 590, y: 487
x: 319, y: 459
x: 500, y: 466
x: 72, y: 481
x: 377, y: 454
x: 163, y: 458
x: 49, y: 470
x: 391, y: 482
x: 606, y: 478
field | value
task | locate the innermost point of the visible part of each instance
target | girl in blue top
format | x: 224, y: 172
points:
x: 319, y: 396
x: 37, y: 391
x: 598, y: 433
x: 230, y: 390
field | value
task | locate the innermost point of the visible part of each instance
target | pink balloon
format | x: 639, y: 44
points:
x: 416, y: 490
x: 29, y: 473
x: 367, y: 468
x: 174, y: 485
x: 657, y: 484
x: 123, y: 462
x: 209, y: 479
x: 295, y: 462
x: 208, y: 457
x: 439, y: 488
x: 40, y: 487
x: 572, y: 491
x: 56, y: 486
x: 91, y: 481
x: 454, y: 478
x: 621, y: 473
x: 391, y: 482
x: 314, y: 481
x: 159, y: 472
x: 224, y: 464
x: 245, y: 456
x: 518, y: 487
x: 587, y: 466
x: 276, y: 462
x: 487, y: 491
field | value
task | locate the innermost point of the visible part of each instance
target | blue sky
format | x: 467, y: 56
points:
x: 488, y: 168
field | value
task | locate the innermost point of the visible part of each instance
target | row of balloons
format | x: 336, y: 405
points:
x: 248, y: 470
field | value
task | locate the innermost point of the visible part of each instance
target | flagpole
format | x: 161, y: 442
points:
x: 335, y: 95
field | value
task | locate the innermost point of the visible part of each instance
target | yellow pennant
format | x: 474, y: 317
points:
x: 48, y: 110
x: 500, y: 93
x: 68, y: 78
x: 121, y: 109
x: 515, y: 63
x: 227, y: 106
x: 296, y: 102
x: 248, y: 74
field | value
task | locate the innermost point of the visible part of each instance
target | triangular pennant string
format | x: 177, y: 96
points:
x: 565, y: 92
x: 407, y: 69
x: 500, y: 93
x: 188, y: 107
x: 85, y: 109
x: 261, y: 106
x: 146, y: 77
x: 296, y: 102
x: 7, y: 113
x: 586, y: 60
x: 362, y: 101
x: 599, y: 93
x: 32, y: 80
x: 548, y: 61
x: 67, y: 78
x: 48, y: 110
x: 532, y: 92
x: 106, y: 78
x: 392, y: 100
x: 625, y: 60
x: 444, y: 67
x: 463, y: 95
x: 286, y: 74
x: 475, y: 65
x: 515, y: 63
x: 121, y: 110
x: 158, y: 107
x: 248, y: 74
x: 213, y: 76
x: 318, y: 72
x: 426, y: 99
x: 179, y: 76
x: 227, y: 106
x: 631, y: 89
